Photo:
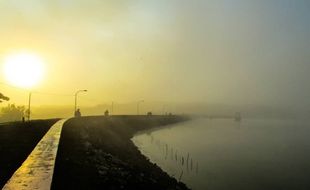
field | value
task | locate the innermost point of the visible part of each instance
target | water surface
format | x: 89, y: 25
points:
x: 224, y: 154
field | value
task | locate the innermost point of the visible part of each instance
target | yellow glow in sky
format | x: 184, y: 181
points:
x: 220, y: 52
x: 23, y: 69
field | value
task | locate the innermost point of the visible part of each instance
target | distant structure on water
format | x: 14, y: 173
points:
x: 238, y: 116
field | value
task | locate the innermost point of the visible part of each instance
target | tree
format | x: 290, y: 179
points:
x: 2, y: 97
x: 12, y: 113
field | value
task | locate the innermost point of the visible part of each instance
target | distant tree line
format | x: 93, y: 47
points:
x: 11, y: 112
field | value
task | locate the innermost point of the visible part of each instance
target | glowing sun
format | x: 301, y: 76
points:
x: 23, y: 69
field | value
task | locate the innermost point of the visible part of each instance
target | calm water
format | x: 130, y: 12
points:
x: 224, y: 154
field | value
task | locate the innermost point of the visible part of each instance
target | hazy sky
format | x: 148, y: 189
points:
x: 213, y: 51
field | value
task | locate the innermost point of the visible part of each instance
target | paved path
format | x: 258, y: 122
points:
x: 37, y: 170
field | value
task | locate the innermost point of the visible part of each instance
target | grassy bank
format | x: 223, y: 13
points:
x: 97, y: 153
x: 17, y: 140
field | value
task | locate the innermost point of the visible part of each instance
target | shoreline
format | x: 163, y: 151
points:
x: 142, y: 131
x: 96, y: 152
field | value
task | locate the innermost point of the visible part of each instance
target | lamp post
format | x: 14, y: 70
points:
x: 164, y: 109
x: 138, y: 106
x: 112, y: 108
x: 75, y: 104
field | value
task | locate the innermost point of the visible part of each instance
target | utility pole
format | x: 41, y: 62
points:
x: 29, y: 103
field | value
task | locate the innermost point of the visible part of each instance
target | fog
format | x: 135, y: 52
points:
x: 245, y: 55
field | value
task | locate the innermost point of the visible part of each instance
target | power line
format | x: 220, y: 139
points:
x: 90, y: 99
x: 11, y: 86
x: 35, y: 92
x: 52, y: 94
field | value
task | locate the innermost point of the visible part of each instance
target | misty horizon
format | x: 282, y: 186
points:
x: 213, y: 52
x: 162, y: 108
x: 155, y: 94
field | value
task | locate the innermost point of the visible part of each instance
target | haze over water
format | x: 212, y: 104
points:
x: 195, y: 57
x: 236, y: 52
x: 253, y: 154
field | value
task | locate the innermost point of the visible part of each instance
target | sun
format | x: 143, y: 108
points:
x: 23, y: 69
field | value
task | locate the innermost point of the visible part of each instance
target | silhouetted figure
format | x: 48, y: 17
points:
x: 106, y: 113
x: 77, y: 113
x: 23, y: 119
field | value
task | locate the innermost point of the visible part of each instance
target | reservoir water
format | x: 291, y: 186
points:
x: 220, y: 154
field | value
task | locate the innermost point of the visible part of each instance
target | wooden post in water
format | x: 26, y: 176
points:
x: 181, y: 176
x: 196, y: 167
x: 187, y: 159
x: 191, y: 164
x: 166, y: 152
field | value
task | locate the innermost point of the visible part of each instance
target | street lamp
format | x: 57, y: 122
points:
x: 164, y: 109
x: 77, y: 92
x: 112, y: 108
x: 138, y: 104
